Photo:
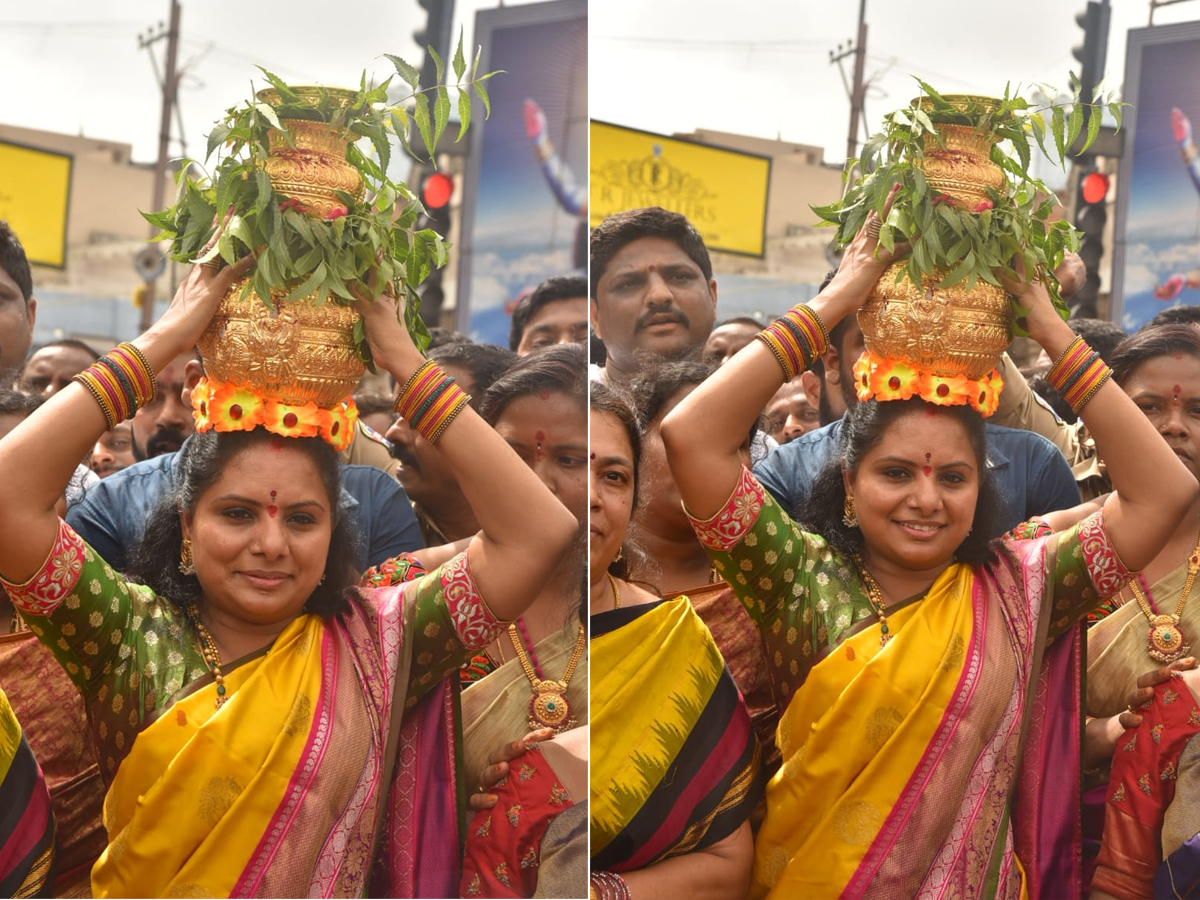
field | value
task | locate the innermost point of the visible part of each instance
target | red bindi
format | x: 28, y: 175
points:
x: 593, y: 456
x: 1177, y: 389
x: 545, y: 395
x: 928, y: 470
x: 540, y: 436
x: 276, y: 444
x: 272, y: 508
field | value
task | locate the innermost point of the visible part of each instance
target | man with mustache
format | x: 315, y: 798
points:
x: 653, y: 291
x: 653, y: 295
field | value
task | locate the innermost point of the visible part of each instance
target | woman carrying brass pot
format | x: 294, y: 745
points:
x: 923, y: 664
x: 247, y: 698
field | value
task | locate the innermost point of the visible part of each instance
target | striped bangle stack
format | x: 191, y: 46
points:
x: 797, y: 338
x: 429, y: 401
x: 121, y: 382
x: 1078, y: 374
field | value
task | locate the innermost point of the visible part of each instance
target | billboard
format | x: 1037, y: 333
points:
x: 35, y: 191
x: 524, y: 214
x: 1156, y: 232
x: 722, y: 192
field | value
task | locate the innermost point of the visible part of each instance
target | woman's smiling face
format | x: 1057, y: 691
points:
x: 260, y: 535
x: 915, y: 491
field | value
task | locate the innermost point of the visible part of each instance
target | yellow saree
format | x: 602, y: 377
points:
x: 873, y: 714
x: 157, y: 852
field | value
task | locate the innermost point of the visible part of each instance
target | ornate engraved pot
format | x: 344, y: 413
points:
x: 301, y: 353
x: 947, y: 331
x: 313, y: 168
x: 961, y: 164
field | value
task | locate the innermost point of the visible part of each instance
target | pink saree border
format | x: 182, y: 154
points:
x: 939, y: 881
x: 250, y: 881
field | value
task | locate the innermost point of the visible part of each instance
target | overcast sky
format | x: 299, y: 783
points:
x: 75, y: 67
x: 762, y: 67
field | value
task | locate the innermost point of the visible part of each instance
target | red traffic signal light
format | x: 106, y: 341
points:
x: 436, y: 190
x: 1094, y: 188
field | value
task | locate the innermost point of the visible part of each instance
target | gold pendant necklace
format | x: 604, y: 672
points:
x: 1165, y: 642
x: 549, y: 707
x: 208, y: 649
x: 875, y: 598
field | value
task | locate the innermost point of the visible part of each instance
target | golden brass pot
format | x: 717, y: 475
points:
x: 313, y: 167
x: 301, y: 353
x: 947, y: 331
x: 961, y: 163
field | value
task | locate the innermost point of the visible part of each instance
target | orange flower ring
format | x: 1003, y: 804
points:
x: 231, y: 407
x: 897, y: 379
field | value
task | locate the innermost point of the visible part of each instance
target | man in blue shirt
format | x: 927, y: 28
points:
x: 113, y: 513
x: 1031, y: 473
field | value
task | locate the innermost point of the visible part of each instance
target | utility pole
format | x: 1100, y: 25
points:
x: 170, y: 82
x: 857, y: 91
x: 856, y: 99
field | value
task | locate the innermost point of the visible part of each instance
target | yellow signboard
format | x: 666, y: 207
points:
x: 35, y: 188
x: 722, y: 192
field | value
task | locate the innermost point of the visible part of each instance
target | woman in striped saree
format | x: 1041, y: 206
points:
x: 675, y: 765
x: 927, y: 674
x: 26, y: 819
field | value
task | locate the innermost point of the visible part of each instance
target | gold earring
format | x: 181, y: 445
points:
x: 620, y: 554
x: 849, y: 513
x: 185, y: 558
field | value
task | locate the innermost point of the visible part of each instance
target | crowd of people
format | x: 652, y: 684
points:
x: 841, y: 645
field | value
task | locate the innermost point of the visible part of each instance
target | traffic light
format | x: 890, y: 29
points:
x: 1091, y: 213
x: 436, y: 189
x: 1091, y: 54
x: 436, y: 34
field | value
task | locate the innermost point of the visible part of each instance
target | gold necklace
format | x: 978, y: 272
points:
x: 616, y: 591
x: 1165, y: 642
x: 208, y: 649
x: 549, y: 707
x: 875, y: 598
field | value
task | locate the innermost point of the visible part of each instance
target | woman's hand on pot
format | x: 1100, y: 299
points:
x: 391, y: 345
x: 865, y: 258
x: 1042, y: 320
x: 497, y: 769
x: 196, y: 300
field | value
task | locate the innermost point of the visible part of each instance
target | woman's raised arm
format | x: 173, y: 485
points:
x: 39, y: 456
x: 1153, y: 489
x: 704, y: 433
x: 524, y: 528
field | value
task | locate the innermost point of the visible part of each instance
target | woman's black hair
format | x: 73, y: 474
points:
x: 561, y: 369
x: 1153, y: 342
x: 654, y: 386
x: 862, y: 430
x: 155, y: 562
x: 605, y: 399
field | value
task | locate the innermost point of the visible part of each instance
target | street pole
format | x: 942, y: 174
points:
x: 856, y: 94
x: 170, y: 82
